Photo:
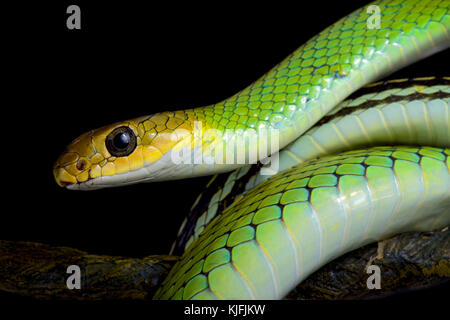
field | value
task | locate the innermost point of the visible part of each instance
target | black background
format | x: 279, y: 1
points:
x: 131, y: 59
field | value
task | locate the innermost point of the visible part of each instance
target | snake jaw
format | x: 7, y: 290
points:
x: 63, y: 178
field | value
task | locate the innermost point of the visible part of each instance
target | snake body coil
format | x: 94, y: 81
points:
x: 294, y: 222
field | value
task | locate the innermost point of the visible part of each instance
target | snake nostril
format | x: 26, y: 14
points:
x: 81, y: 165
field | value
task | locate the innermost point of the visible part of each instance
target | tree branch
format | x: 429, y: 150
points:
x: 407, y: 261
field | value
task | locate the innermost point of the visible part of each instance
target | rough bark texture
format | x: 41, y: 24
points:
x: 407, y: 261
x: 40, y: 271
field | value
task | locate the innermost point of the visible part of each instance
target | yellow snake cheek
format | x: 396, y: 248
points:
x: 97, y: 158
x: 96, y: 171
x: 108, y: 169
x: 99, y: 143
x: 121, y: 165
x: 84, y: 176
x: 148, y: 137
x: 165, y: 141
x: 182, y: 144
x: 151, y: 154
x: 136, y: 159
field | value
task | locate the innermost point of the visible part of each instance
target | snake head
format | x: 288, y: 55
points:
x: 121, y: 153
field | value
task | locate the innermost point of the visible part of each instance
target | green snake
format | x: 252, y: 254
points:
x: 385, y: 104
x: 286, y: 226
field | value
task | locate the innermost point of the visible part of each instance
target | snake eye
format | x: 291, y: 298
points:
x: 121, y: 142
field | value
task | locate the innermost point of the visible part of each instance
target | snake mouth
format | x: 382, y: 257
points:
x: 63, y: 183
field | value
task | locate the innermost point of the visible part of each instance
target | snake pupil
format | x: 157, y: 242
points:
x: 121, y: 142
